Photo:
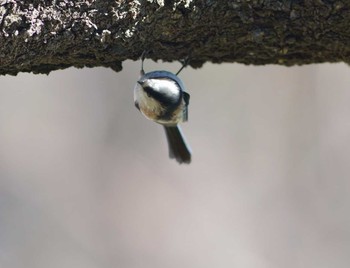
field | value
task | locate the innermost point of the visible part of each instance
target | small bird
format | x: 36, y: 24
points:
x: 160, y: 97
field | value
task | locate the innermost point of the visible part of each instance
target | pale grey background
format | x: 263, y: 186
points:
x: 85, y: 180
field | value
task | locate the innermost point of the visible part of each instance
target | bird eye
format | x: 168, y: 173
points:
x: 147, y: 90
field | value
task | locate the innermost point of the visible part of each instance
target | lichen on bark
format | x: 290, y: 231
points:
x: 40, y: 36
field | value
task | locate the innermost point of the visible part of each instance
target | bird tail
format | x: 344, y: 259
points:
x: 178, y: 147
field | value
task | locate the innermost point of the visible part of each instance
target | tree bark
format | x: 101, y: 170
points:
x: 40, y: 36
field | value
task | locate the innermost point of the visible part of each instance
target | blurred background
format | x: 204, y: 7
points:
x: 85, y: 179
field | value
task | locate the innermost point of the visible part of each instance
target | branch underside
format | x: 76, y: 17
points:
x: 40, y: 36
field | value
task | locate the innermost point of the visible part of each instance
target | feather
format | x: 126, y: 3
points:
x: 178, y: 147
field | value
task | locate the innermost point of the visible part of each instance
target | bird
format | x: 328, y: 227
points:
x: 161, y: 97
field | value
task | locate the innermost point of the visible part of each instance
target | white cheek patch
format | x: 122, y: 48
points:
x: 165, y: 87
x: 148, y: 106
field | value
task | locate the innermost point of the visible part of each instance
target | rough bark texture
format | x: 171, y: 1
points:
x: 40, y: 35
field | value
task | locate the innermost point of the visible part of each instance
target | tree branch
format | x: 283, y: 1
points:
x: 40, y: 35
